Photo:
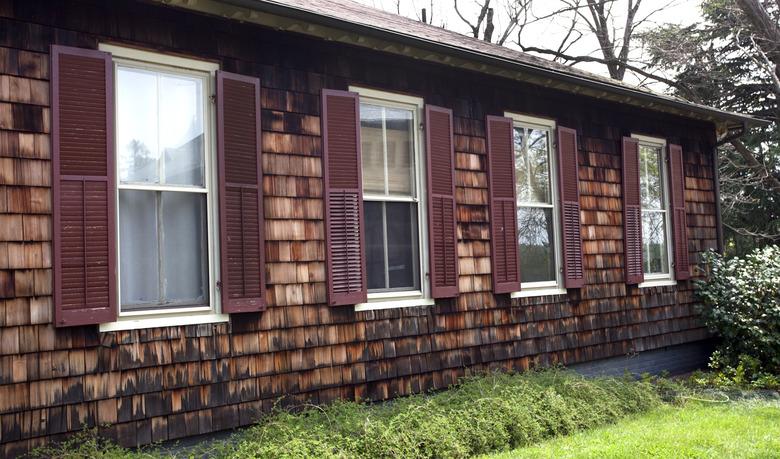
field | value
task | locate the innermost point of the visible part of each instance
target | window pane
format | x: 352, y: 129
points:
x: 654, y: 243
x: 159, y: 119
x: 184, y: 252
x: 537, y: 242
x: 181, y: 129
x: 400, y: 149
x: 138, y: 264
x: 372, y: 148
x: 402, y: 252
x: 650, y: 167
x: 136, y: 112
x: 532, y: 165
x: 375, y: 245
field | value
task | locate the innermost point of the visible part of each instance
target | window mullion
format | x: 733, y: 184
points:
x: 384, y: 150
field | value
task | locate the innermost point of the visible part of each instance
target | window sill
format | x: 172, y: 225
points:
x: 158, y: 320
x: 394, y: 303
x: 657, y: 283
x: 532, y: 292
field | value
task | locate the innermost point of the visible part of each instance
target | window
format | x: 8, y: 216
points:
x: 538, y: 219
x: 656, y: 229
x: 393, y: 205
x: 165, y: 189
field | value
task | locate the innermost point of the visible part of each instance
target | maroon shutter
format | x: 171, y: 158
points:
x: 632, y: 213
x: 83, y: 186
x: 679, y: 219
x: 242, y: 261
x: 342, y: 177
x: 573, y: 274
x: 442, y: 235
x: 504, y: 259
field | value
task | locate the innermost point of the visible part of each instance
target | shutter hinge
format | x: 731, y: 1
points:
x: 213, y: 98
x: 219, y: 285
x: 422, y: 126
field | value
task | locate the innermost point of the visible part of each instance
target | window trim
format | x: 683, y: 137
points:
x: 544, y: 288
x: 194, y: 314
x: 405, y: 298
x: 660, y: 279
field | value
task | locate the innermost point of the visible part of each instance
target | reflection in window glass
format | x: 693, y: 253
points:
x: 391, y: 206
x: 159, y: 127
x: 655, y: 248
x: 654, y: 242
x: 536, y: 236
x: 535, y: 205
x: 532, y: 165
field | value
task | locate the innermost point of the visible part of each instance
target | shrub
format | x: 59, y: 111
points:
x: 480, y: 415
x: 742, y: 305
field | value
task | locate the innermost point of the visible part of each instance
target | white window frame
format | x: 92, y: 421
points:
x: 211, y: 313
x: 541, y: 288
x: 659, y: 279
x: 421, y: 297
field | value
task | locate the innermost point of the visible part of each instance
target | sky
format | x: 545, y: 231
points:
x: 547, y: 33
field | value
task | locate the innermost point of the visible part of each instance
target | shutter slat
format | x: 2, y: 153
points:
x: 568, y: 177
x: 442, y: 232
x: 632, y: 213
x: 679, y: 217
x: 504, y: 258
x: 83, y: 187
x: 242, y: 253
x: 342, y: 179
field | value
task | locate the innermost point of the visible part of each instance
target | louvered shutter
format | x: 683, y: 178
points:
x: 83, y: 186
x: 242, y: 252
x: 573, y: 274
x: 342, y: 177
x: 442, y: 236
x: 503, y: 211
x: 632, y: 213
x: 679, y: 218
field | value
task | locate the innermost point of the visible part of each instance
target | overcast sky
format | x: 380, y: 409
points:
x: 547, y: 33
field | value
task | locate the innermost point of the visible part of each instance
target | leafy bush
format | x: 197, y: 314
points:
x: 482, y: 414
x: 742, y: 305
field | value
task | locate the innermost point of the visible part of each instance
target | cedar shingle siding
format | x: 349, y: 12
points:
x: 166, y: 383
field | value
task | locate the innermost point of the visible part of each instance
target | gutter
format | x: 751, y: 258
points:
x: 275, y: 7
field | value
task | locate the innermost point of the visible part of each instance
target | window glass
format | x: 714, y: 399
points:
x: 536, y: 236
x: 654, y: 242
x: 391, y: 207
x: 650, y: 168
x: 159, y: 127
x: 402, y: 259
x: 163, y: 232
x: 532, y: 163
x: 400, y: 164
x: 536, y: 218
x: 655, y: 237
x: 372, y: 148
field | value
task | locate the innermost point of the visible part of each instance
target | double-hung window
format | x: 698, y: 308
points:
x: 538, y: 213
x: 393, y: 202
x: 165, y: 188
x: 654, y: 195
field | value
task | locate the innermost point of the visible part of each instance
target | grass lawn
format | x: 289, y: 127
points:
x: 696, y: 430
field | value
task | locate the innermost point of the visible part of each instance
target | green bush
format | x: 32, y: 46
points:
x: 742, y: 305
x: 481, y: 414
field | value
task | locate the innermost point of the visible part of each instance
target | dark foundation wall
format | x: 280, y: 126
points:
x: 167, y: 383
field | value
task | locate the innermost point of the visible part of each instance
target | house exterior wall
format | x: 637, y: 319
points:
x: 166, y: 383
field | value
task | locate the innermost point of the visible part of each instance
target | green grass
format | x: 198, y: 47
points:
x: 695, y: 430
